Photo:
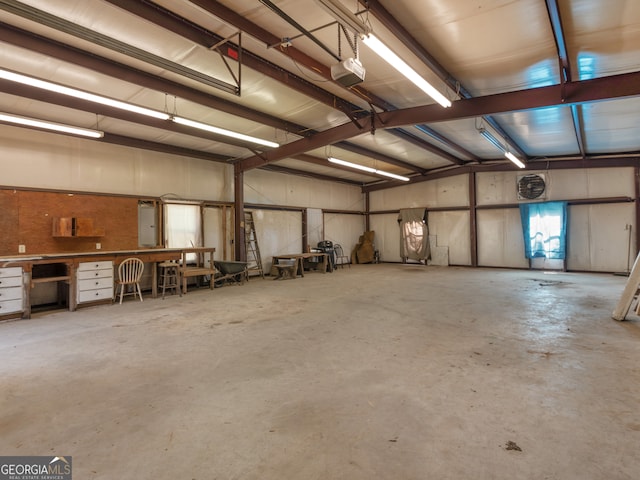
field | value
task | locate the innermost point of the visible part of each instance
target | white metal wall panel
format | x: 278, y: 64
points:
x: 387, y: 238
x: 599, y: 238
x: 272, y: 188
x: 444, y: 192
x: 278, y: 232
x: 452, y: 230
x: 500, y: 240
x: 591, y: 183
x: 43, y: 160
x: 344, y: 229
x: 494, y: 188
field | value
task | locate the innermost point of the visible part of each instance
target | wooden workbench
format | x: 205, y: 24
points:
x: 63, y: 268
x: 202, y: 265
x: 299, y: 258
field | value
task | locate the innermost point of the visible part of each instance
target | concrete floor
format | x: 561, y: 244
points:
x: 374, y: 372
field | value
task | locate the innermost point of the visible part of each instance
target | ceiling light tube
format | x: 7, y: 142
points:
x: 496, y: 143
x: 222, y: 131
x: 393, y: 175
x: 491, y: 139
x: 514, y: 159
x: 367, y: 169
x: 396, y: 62
x: 58, y: 127
x: 72, y: 92
x: 351, y: 165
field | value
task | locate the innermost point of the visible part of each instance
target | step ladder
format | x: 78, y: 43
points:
x: 254, y: 261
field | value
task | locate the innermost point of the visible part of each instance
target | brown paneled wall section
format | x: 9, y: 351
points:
x: 27, y: 218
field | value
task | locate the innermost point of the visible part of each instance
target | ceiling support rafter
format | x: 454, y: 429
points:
x: 161, y: 147
x: 409, y: 137
x: 60, y: 51
x: 62, y: 100
x: 238, y: 21
x: 62, y: 25
x: 229, y: 16
x: 632, y: 160
x: 392, y: 24
x: 160, y: 16
x: 353, y: 148
x: 444, y: 140
x: 614, y: 86
x: 23, y: 39
x: 168, y: 20
x: 553, y: 9
x: 302, y: 173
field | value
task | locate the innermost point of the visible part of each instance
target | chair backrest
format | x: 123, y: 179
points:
x: 130, y: 270
x: 338, y: 249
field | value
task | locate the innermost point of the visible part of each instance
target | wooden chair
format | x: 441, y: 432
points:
x: 129, y: 274
x: 341, y: 258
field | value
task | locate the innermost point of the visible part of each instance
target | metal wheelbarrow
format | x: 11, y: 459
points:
x: 230, y: 272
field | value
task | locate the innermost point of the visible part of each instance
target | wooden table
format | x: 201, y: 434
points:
x: 203, y: 265
x: 299, y: 258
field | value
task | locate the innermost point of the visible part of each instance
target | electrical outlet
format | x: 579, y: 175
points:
x: 22, y: 249
x: 98, y: 246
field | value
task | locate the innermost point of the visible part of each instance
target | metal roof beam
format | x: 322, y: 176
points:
x: 394, y: 26
x: 232, y: 18
x: 54, y: 49
x: 199, y: 35
x: 365, y: 152
x: 614, y: 86
x: 229, y: 16
x: 38, y: 94
x: 553, y: 9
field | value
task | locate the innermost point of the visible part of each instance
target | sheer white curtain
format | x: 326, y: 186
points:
x: 182, y: 226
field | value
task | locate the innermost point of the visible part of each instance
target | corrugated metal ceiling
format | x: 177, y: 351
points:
x: 466, y: 48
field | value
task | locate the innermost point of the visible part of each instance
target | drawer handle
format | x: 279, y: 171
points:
x: 97, y: 283
x: 97, y: 273
x: 97, y: 294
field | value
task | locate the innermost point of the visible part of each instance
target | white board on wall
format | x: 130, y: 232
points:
x: 500, y: 238
x: 452, y: 229
x: 601, y: 238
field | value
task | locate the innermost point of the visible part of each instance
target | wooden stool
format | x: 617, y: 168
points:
x: 169, y: 277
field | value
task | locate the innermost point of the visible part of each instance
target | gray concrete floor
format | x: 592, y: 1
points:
x: 374, y: 372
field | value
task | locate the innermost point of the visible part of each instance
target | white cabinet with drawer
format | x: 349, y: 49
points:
x: 95, y: 281
x: 11, y: 290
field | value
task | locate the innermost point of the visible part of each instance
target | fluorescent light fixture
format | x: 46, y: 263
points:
x: 58, y: 127
x: 496, y: 143
x: 222, y: 131
x: 344, y: 16
x: 367, y: 169
x: 491, y: 139
x: 396, y: 62
x: 72, y: 92
x: 514, y: 159
x: 351, y: 21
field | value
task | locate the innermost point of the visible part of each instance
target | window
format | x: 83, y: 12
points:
x: 182, y: 226
x: 544, y: 227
